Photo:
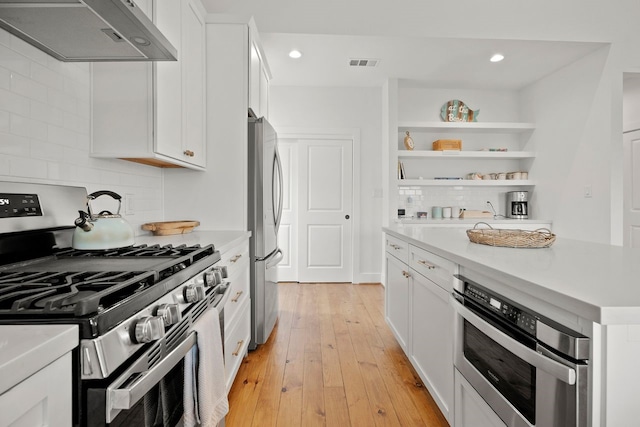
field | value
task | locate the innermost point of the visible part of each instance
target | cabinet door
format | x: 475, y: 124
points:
x: 397, y: 300
x: 168, y: 82
x: 264, y: 93
x: 193, y: 78
x: 43, y: 399
x: 254, y: 78
x: 471, y: 409
x: 431, y: 351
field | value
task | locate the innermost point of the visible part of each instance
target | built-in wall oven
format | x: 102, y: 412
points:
x: 529, y: 369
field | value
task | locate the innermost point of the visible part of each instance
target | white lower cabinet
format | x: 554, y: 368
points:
x: 237, y: 310
x: 431, y: 348
x: 236, y: 342
x: 417, y: 288
x: 397, y: 299
x: 43, y: 399
x: 471, y: 410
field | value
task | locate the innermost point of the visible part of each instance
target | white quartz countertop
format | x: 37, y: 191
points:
x: 470, y: 222
x: 25, y: 349
x: 597, y: 282
x: 222, y: 240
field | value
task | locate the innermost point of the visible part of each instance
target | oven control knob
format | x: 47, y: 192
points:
x: 212, y: 278
x: 170, y: 313
x: 223, y: 271
x: 194, y: 293
x: 149, y: 329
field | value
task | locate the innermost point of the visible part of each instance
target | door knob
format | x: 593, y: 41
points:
x: 346, y: 216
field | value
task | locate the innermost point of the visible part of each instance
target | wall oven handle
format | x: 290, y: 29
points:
x: 556, y: 369
x: 124, y: 398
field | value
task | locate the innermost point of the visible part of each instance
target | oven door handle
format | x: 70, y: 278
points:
x: 124, y: 398
x: 550, y: 366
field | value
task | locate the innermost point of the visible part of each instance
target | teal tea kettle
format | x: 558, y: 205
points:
x: 104, y: 230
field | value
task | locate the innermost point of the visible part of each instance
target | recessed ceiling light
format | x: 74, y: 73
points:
x: 295, y: 54
x: 497, y: 58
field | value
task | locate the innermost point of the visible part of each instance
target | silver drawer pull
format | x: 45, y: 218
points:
x: 238, y: 347
x: 396, y: 247
x: 237, y: 296
x: 426, y: 264
x: 406, y: 274
x: 235, y: 258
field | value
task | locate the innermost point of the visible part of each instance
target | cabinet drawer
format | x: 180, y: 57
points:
x: 397, y: 248
x: 238, y: 293
x: 432, y: 266
x: 236, y: 343
x: 235, y: 259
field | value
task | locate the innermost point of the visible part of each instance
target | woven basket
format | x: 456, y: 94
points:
x: 540, y: 238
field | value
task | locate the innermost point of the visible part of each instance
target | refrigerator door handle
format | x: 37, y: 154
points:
x: 277, y: 213
x: 275, y: 259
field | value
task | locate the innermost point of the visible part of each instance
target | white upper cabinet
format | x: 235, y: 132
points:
x: 258, y: 78
x: 154, y: 113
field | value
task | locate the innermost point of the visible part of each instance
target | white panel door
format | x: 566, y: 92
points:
x: 288, y: 232
x: 325, y: 208
x: 632, y: 189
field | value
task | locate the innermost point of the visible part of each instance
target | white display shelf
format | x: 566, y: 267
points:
x: 504, y: 155
x: 460, y: 127
x: 465, y: 182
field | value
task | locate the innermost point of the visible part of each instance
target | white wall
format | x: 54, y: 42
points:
x: 573, y: 112
x: 331, y: 108
x: 45, y: 131
x: 631, y: 102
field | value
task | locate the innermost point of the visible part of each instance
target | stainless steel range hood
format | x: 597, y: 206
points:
x: 87, y: 30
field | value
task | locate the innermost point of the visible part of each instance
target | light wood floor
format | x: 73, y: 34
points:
x: 331, y: 361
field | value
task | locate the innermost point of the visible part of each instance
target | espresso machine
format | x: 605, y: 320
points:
x: 518, y: 204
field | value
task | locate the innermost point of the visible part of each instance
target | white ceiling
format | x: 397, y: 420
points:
x: 459, y: 63
x: 435, y: 62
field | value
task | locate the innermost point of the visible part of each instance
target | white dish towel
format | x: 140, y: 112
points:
x: 205, y: 395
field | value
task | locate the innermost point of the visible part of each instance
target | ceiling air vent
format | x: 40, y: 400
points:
x: 363, y: 62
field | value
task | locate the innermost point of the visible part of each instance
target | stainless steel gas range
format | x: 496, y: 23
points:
x: 135, y: 306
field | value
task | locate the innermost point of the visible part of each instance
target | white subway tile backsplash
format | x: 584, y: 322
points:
x: 45, y: 131
x: 13, y: 103
x: 5, y: 79
x: 44, y: 112
x: 20, y: 125
x: 13, y: 61
x: 47, y: 77
x: 5, y: 124
x: 27, y: 87
x: 27, y: 167
x: 14, y: 145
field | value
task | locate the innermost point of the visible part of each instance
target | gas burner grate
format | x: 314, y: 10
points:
x: 133, y: 251
x: 80, y: 293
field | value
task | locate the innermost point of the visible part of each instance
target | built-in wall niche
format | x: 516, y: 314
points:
x: 497, y: 144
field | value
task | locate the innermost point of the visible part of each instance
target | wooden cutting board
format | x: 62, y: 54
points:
x: 475, y: 214
x: 167, y: 228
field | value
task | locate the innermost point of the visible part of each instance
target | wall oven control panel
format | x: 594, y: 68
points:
x: 501, y: 307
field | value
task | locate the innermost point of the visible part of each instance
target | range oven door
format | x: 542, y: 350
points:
x: 524, y: 383
x: 150, y: 389
x: 141, y: 397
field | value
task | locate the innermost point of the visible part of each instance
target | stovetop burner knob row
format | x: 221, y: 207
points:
x: 194, y: 293
x: 150, y: 328
x: 170, y: 313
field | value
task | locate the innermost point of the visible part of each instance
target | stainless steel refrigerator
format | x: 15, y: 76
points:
x: 265, y: 212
